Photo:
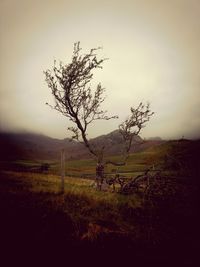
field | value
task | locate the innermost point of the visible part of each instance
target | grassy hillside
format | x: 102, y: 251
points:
x: 37, y: 219
x: 158, y: 156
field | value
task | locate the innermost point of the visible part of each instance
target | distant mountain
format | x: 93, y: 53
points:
x: 113, y: 143
x: 31, y: 146
x: 157, y: 138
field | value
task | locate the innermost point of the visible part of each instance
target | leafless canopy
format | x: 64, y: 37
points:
x: 132, y: 126
x: 71, y: 88
x: 134, y: 123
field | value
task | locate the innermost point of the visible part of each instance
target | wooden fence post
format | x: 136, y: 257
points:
x: 62, y: 170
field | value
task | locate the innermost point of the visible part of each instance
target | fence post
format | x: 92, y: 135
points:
x: 62, y: 170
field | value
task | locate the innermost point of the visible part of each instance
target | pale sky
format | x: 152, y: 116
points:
x: 153, y: 50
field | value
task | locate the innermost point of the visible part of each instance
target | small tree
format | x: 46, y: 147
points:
x: 71, y: 87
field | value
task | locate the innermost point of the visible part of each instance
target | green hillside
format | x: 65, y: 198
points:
x: 170, y: 155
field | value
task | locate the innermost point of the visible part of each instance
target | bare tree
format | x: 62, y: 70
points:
x: 132, y: 126
x: 71, y: 87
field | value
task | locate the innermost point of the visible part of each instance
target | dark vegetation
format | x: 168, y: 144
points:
x: 161, y: 228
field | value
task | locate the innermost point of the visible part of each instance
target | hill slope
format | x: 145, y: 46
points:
x: 36, y: 146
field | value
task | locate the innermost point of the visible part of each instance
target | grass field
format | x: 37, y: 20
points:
x: 84, y: 201
x: 35, y: 217
x: 136, y: 163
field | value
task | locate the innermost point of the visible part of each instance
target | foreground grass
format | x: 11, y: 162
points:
x: 84, y: 204
x: 77, y: 186
x: 35, y: 215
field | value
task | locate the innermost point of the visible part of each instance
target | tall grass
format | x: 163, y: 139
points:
x: 80, y: 200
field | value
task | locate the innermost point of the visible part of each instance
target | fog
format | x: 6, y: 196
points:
x: 153, y: 51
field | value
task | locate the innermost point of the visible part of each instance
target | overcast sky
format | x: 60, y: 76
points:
x: 153, y: 50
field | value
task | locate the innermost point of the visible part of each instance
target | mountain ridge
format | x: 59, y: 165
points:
x: 31, y: 146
